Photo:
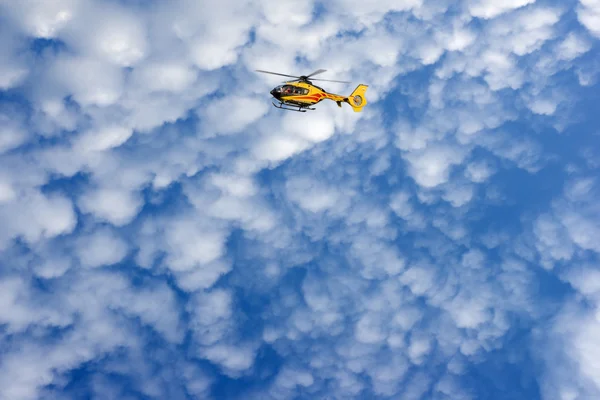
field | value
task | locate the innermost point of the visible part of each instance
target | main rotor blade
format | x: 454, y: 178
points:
x: 329, y: 80
x: 276, y: 73
x: 319, y: 71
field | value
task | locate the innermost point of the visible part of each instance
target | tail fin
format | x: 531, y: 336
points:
x: 357, y: 99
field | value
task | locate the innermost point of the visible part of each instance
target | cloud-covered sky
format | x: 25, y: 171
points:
x: 165, y: 233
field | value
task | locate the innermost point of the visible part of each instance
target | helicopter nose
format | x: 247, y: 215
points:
x: 275, y: 94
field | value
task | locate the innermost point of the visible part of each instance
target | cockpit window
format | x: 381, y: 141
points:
x: 291, y: 90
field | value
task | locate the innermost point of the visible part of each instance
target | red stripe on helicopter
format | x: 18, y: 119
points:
x: 312, y: 98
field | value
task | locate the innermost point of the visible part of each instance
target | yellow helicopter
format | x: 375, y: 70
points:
x: 300, y: 94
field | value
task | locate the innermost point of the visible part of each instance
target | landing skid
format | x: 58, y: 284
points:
x: 287, y: 107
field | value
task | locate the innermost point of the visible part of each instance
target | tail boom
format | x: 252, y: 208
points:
x: 357, y: 99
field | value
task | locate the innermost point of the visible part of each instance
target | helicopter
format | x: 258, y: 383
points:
x: 300, y: 94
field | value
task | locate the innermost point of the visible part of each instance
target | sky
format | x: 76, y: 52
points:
x: 165, y: 233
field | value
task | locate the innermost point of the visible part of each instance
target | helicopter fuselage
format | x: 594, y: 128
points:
x: 303, y: 94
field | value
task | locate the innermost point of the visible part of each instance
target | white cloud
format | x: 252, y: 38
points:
x: 572, y: 47
x: 372, y: 12
x: 212, y: 44
x: 573, y: 224
x: 116, y: 205
x: 490, y: 9
x: 525, y: 153
x: 313, y: 196
x: 117, y: 36
x: 289, y: 378
x: 479, y: 171
x: 570, y: 367
x: 170, y: 76
x: 91, y: 308
x: 553, y: 241
x: 212, y: 309
x: 239, y: 186
x: 419, y: 348
x: 370, y: 330
x: 44, y: 20
x: 13, y: 69
x: 586, y: 280
x: 35, y: 216
x: 11, y: 75
x: 583, y: 229
x: 19, y: 311
x: 589, y: 15
x: 459, y: 195
x: 233, y: 358
x: 321, y: 127
x: 535, y: 28
x: 289, y: 13
x: 55, y: 265
x: 190, y: 244
x: 419, y: 278
x: 402, y: 207
x: 103, y: 139
x: 101, y: 248
x: 570, y: 342
x: 277, y: 148
x: 432, y: 166
x: 587, y: 350
x: 90, y: 81
x: 12, y: 133
x: 243, y: 111
x: 543, y: 106
x: 202, y: 276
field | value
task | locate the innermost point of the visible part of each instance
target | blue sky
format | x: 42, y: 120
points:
x: 167, y: 234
